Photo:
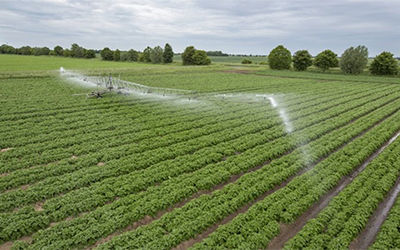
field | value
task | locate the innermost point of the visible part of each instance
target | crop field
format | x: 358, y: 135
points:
x: 252, y: 158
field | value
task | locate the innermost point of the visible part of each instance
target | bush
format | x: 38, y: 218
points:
x: 58, y: 50
x: 187, y: 56
x: 66, y: 53
x: 354, y: 60
x: 200, y: 58
x: 263, y: 63
x: 107, y: 54
x: 302, y: 60
x: 145, y: 55
x: 384, y: 64
x: 132, y: 56
x: 168, y: 54
x: 279, y: 58
x: 192, y: 56
x: 25, y: 50
x: 40, y: 51
x: 7, y: 49
x: 246, y: 61
x: 90, y: 53
x: 156, y: 55
x: 77, y: 51
x: 117, y: 55
x: 326, y: 59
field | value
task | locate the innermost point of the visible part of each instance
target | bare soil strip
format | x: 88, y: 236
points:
x: 368, y: 235
x: 5, y: 150
x: 287, y: 231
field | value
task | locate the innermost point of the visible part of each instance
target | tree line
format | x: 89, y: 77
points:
x: 353, y: 61
x: 75, y: 51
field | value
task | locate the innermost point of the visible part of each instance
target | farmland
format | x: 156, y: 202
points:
x: 256, y: 158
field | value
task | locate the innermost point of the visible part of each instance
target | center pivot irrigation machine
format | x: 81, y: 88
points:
x: 108, y: 84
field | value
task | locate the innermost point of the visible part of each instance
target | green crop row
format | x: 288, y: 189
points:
x: 133, y: 207
x: 389, y: 234
x: 348, y: 212
x: 287, y: 203
x: 198, y: 215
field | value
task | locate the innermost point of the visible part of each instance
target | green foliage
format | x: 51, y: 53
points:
x: 90, y: 53
x: 145, y: 55
x: 187, y: 55
x: 200, y: 58
x: 326, y: 59
x: 40, y: 51
x: 58, y: 50
x: 156, y: 55
x: 66, y: 53
x: 384, y: 64
x: 7, y: 49
x: 130, y: 56
x: 117, y: 55
x: 107, y: 54
x: 77, y: 51
x: 246, y: 61
x: 302, y: 60
x: 216, y: 53
x: 279, y: 58
x: 354, y: 60
x: 168, y: 54
x: 191, y: 56
x: 25, y: 50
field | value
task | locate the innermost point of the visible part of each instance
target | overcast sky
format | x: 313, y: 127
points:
x: 233, y: 26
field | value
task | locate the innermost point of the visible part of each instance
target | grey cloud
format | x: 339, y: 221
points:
x: 233, y: 26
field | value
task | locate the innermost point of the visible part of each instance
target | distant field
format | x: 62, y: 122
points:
x: 249, y: 158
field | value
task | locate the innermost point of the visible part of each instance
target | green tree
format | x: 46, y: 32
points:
x: 7, y: 49
x: 279, y: 58
x: 90, y: 53
x: 66, y: 53
x: 40, y: 51
x: 117, y: 55
x: 326, y: 59
x: 384, y: 64
x: 302, y: 60
x: 156, y: 55
x: 24, y: 50
x: 187, y: 55
x: 200, y: 58
x: 77, y: 51
x: 58, y: 50
x: 145, y: 55
x: 354, y: 60
x: 107, y: 54
x: 133, y: 55
x: 168, y: 54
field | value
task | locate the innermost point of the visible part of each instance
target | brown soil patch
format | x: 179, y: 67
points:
x: 25, y: 187
x: 39, y: 206
x: 6, y: 246
x: 100, y: 164
x: 5, y: 149
x: 3, y: 174
x: 74, y: 157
